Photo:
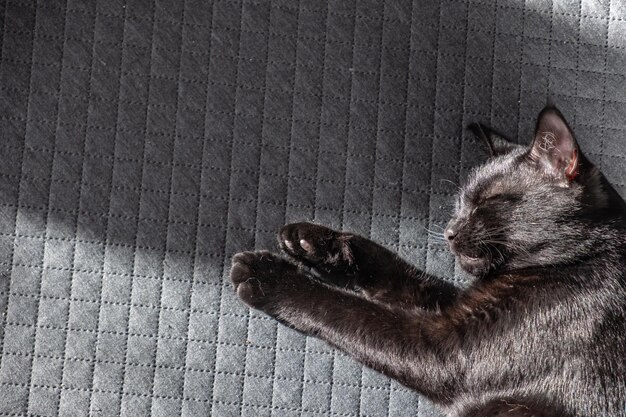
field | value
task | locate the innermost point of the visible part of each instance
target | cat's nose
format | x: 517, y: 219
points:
x: 451, y: 230
x: 449, y: 234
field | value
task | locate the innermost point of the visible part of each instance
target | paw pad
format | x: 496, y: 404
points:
x: 308, y: 247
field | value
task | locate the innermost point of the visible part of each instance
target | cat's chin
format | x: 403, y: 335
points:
x: 474, y: 266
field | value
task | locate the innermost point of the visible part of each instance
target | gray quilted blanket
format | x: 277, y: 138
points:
x: 142, y: 143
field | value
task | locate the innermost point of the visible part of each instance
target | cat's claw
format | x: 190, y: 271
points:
x: 316, y: 246
x: 257, y: 277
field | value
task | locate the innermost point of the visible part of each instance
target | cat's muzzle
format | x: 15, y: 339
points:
x: 472, y: 259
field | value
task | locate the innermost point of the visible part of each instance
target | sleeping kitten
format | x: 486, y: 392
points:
x: 540, y: 332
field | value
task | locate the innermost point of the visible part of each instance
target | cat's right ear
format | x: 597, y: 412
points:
x: 496, y: 143
x: 554, y: 147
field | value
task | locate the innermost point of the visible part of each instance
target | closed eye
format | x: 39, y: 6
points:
x: 483, y: 200
x: 507, y: 198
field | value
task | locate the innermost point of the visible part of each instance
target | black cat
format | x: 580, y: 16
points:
x: 541, y: 331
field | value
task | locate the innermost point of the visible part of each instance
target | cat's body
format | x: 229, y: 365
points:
x: 542, y: 330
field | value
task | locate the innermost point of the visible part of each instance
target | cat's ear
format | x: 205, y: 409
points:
x: 554, y: 147
x: 496, y: 143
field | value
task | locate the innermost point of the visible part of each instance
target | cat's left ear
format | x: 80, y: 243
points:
x: 554, y: 147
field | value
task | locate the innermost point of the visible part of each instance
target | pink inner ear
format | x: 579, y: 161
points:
x: 571, y: 171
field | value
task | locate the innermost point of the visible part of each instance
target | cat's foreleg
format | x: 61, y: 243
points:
x: 401, y: 343
x: 355, y: 263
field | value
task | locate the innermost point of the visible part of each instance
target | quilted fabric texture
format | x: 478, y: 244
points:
x: 143, y: 143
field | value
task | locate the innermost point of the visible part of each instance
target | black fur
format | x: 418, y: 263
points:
x: 540, y: 333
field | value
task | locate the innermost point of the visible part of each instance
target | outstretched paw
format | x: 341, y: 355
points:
x: 260, y: 278
x: 317, y: 246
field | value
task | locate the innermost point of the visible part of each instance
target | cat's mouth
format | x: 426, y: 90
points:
x: 472, y: 259
x: 474, y: 265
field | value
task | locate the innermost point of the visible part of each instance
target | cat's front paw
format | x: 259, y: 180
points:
x: 261, y: 278
x: 317, y: 246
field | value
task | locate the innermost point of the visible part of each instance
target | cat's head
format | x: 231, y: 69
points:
x: 528, y: 205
